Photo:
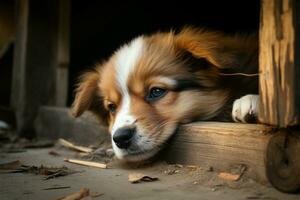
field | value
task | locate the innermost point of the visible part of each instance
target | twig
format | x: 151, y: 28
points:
x: 57, y: 188
x: 86, y: 163
x: 70, y: 145
x: 239, y: 74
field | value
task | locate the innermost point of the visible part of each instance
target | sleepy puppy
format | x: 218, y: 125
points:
x: 151, y: 85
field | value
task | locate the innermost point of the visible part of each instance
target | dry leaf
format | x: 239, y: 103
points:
x: 49, y: 172
x: 84, y: 192
x: 138, y: 177
x: 228, y: 176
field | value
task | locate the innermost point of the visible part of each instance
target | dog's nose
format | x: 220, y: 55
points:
x: 122, y: 137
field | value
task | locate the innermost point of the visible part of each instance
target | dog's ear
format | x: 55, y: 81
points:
x: 88, y: 97
x: 211, y: 46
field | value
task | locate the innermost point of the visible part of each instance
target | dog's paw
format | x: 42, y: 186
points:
x: 245, y: 109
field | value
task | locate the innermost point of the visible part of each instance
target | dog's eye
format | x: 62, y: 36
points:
x: 112, y: 108
x: 155, y: 93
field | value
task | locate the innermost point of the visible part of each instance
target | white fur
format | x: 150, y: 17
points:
x: 243, y: 106
x: 126, y: 59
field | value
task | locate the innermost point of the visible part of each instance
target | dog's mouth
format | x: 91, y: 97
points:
x: 143, y: 148
x: 138, y: 150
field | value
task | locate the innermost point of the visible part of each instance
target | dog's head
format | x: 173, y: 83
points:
x: 154, y: 83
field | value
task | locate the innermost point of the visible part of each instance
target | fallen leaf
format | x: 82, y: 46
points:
x: 228, y: 176
x: 83, y: 192
x: 138, y: 177
x: 49, y: 172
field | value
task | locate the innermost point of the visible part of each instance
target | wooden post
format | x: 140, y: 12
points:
x: 41, y: 59
x: 279, y: 63
x: 63, y: 53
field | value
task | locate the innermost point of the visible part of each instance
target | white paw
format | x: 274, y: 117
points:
x: 245, y: 109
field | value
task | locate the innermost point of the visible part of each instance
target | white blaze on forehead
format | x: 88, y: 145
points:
x: 126, y: 59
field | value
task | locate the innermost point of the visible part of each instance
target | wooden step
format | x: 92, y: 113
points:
x: 222, y: 146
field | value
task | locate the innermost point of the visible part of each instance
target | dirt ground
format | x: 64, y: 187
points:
x: 175, y: 181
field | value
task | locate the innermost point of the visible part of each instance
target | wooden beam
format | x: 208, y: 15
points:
x: 279, y: 63
x: 41, y: 59
x: 222, y: 146
x: 63, y: 53
x: 216, y: 144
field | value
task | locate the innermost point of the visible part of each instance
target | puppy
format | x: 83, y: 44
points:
x: 151, y: 85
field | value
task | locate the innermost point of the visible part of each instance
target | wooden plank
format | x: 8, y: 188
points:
x: 279, y: 63
x: 18, y: 78
x: 222, y: 146
x: 216, y: 144
x: 63, y: 53
x: 41, y: 59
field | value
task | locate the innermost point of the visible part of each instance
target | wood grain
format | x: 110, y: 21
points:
x: 41, y: 57
x: 279, y: 63
x: 222, y: 146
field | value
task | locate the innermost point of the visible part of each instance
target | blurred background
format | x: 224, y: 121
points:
x: 45, y: 45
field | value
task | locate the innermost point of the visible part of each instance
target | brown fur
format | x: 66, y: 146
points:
x: 196, y: 58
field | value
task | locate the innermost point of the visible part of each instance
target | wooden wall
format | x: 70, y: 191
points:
x: 40, y: 69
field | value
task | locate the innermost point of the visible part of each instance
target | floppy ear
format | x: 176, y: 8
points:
x: 88, y: 97
x: 212, y: 46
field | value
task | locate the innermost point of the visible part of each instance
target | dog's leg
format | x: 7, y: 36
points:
x: 245, y: 109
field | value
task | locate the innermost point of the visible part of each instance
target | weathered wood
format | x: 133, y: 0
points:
x: 222, y: 146
x: 216, y: 144
x: 279, y: 63
x: 63, y: 53
x: 283, y: 161
x: 40, y: 60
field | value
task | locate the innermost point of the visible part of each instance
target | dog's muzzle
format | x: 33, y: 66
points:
x: 123, y: 136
